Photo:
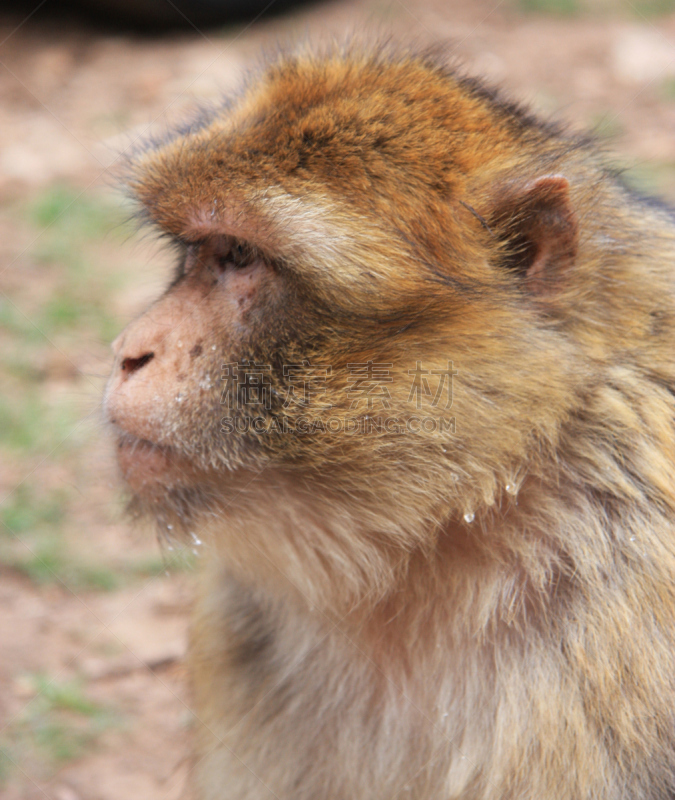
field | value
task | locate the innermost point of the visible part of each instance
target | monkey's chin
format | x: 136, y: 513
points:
x: 149, y: 469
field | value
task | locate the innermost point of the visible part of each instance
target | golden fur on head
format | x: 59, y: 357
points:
x: 488, y: 613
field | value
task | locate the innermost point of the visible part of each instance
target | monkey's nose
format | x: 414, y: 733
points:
x: 131, y: 365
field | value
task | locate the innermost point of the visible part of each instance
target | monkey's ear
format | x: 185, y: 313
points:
x: 539, y: 227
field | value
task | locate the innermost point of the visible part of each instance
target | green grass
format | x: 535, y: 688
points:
x: 20, y: 422
x: 604, y: 8
x: 25, y: 511
x: 71, y: 308
x: 34, y: 546
x: 50, y: 562
x: 16, y: 324
x: 63, y: 311
x: 555, y: 7
x: 32, y: 542
x: 31, y: 424
x: 668, y: 89
x: 71, y: 232
x: 653, y: 178
x: 72, y: 269
x: 68, y: 220
x: 64, y: 696
x: 72, y: 213
x: 72, y: 227
x: 61, y: 723
x: 652, y: 8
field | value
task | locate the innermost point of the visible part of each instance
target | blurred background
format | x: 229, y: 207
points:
x: 93, y: 615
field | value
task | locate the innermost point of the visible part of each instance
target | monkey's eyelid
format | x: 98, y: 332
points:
x: 241, y: 253
x: 238, y: 257
x: 191, y: 245
x: 237, y: 253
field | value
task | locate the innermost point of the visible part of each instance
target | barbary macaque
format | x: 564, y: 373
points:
x: 413, y: 387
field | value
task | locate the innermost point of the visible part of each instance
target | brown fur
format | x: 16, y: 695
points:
x: 487, y: 614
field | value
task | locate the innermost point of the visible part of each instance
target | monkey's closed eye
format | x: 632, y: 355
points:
x: 239, y: 256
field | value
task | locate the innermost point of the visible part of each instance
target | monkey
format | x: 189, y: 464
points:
x: 412, y: 386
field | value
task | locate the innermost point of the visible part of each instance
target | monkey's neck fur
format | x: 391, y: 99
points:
x: 591, y: 515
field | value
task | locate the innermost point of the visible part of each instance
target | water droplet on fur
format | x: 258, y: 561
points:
x: 469, y: 517
x: 213, y: 347
x: 179, y: 343
x: 455, y: 477
x: 179, y: 398
x: 444, y: 449
x: 169, y: 527
x: 511, y: 488
x: 195, y: 538
x: 632, y: 538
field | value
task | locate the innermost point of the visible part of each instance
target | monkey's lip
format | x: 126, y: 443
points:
x: 146, y: 465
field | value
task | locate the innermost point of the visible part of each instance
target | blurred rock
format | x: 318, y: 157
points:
x: 65, y: 793
x: 642, y: 55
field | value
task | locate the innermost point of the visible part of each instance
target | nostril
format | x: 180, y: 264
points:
x: 131, y: 365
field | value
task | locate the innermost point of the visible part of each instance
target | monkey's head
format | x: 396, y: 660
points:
x: 370, y: 310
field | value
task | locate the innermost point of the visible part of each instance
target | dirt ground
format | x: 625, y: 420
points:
x: 93, y: 616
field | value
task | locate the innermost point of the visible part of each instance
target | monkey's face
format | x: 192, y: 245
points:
x: 167, y: 395
x: 242, y: 363
x: 342, y: 313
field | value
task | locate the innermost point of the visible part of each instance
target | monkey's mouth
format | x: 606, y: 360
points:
x: 147, y: 467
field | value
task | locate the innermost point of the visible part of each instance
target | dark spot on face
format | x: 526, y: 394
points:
x: 246, y: 297
x: 180, y: 376
x: 197, y: 350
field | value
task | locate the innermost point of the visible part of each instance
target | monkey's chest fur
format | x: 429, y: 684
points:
x: 292, y: 704
x: 289, y: 699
